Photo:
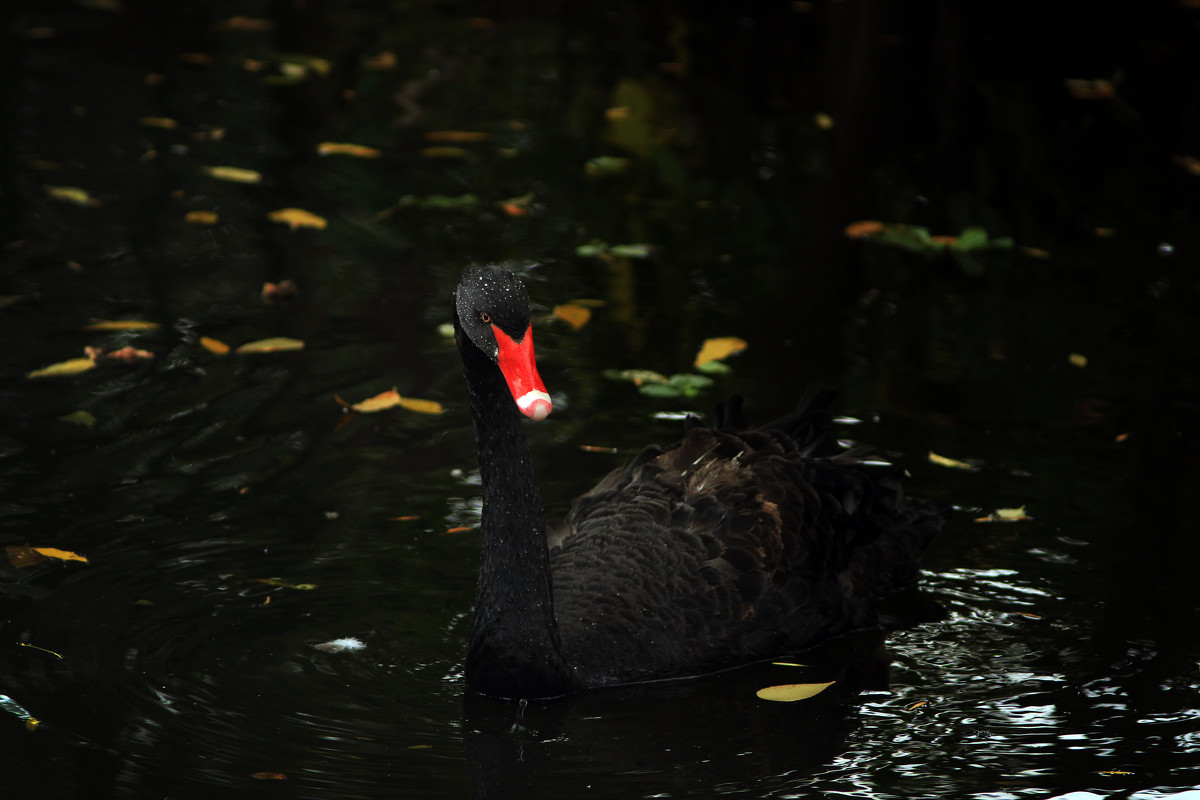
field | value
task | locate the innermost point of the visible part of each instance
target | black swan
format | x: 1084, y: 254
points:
x: 732, y: 546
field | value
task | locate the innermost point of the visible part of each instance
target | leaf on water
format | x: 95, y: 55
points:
x: 405, y: 518
x: 201, y: 217
x: 84, y: 418
x: 268, y: 776
x: 297, y: 218
x: 274, y: 294
x: 952, y: 463
x: 457, y: 136
x: 444, y: 152
x: 22, y: 555
x: 916, y: 705
x: 234, y: 174
x: 420, y: 747
x: 606, y: 165
x: 459, y: 529
x: 315, y: 64
x: 573, y: 315
x: 307, y: 587
x: 380, y: 402
x: 62, y: 555
x: 120, y: 325
x: 1006, y: 515
x: 340, y: 645
x: 346, y: 149
x: 214, y: 345
x: 385, y: 60
x: 163, y: 123
x: 791, y: 692
x: 863, y: 228
x: 129, y: 354
x: 71, y: 194
x: 275, y: 344
x: 823, y: 121
x: 1077, y: 360
x: 719, y: 348
x: 638, y: 377
x: 631, y: 250
x: 421, y: 406
x: 241, y: 23
x: 788, y: 664
x: 72, y: 366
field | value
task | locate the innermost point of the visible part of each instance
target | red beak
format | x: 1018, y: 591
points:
x: 520, y: 371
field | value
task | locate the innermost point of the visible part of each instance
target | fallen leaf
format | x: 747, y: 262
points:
x: 823, y: 121
x: 863, y: 228
x: 164, y: 123
x: 593, y: 448
x: 62, y: 555
x: 1077, y: 360
x: 214, y: 345
x: 405, y: 518
x: 72, y: 366
x: 344, y: 149
x: 275, y: 293
x: 71, y: 194
x: 241, y: 23
x: 84, y: 418
x: 234, y: 174
x: 459, y: 529
x: 275, y: 344
x: 791, y: 692
x: 574, y: 315
x: 120, y: 325
x: 420, y: 747
x: 788, y: 664
x: 916, y: 705
x: 719, y: 349
x: 385, y: 60
x: 606, y: 165
x: 297, y: 218
x: 268, y: 776
x: 321, y: 66
x: 1005, y: 515
x: 201, y: 217
x: 952, y: 463
x: 457, y: 136
x: 129, y: 354
x: 380, y: 402
x: 421, y: 406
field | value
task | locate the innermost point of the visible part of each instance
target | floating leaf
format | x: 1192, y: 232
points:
x: 719, y: 348
x: 129, y: 354
x: 201, y: 217
x: 268, y: 776
x: 62, y: 555
x: 631, y: 250
x: 1077, y: 360
x: 444, y: 152
x: 638, y: 377
x: 380, y: 402
x: 163, y: 123
x: 321, y: 66
x: 916, y: 705
x: 606, y: 165
x: 345, y: 149
x: 340, y: 645
x: 457, y: 136
x: 241, y: 23
x: 121, y: 325
x: 459, y: 529
x: 307, y: 587
x: 788, y: 664
x: 72, y: 366
x: 574, y: 315
x: 791, y: 692
x: 1006, y: 515
x: 84, y: 418
x: 234, y: 174
x: 214, y: 345
x: 863, y: 228
x: 274, y: 294
x: 421, y: 406
x: 275, y: 344
x: 952, y: 463
x: 297, y: 218
x: 71, y: 194
x: 385, y: 60
x: 22, y: 555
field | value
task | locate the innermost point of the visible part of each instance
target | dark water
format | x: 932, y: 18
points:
x: 1065, y: 662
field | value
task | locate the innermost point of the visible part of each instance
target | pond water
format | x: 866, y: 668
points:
x: 691, y: 173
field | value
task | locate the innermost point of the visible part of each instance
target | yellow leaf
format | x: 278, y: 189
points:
x: 344, y: 149
x: 788, y: 664
x: 84, y: 418
x: 457, y: 136
x: 64, y: 555
x: 791, y: 692
x: 573, y: 315
x: 71, y: 367
x: 120, y: 325
x: 234, y: 174
x: 71, y: 194
x: 275, y: 344
x: 421, y: 406
x: 1077, y: 360
x: 384, y: 400
x: 297, y: 218
x: 952, y: 463
x: 719, y: 348
x: 214, y: 345
x: 165, y: 123
x: 201, y: 217
x: 863, y: 228
x: 1005, y: 515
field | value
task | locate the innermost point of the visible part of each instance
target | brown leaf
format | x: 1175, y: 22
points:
x: 201, y: 217
x: 214, y: 345
x: 574, y: 315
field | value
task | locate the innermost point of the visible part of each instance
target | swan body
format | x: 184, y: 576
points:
x: 731, y: 546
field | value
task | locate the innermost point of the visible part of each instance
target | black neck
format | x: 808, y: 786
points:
x: 514, y: 649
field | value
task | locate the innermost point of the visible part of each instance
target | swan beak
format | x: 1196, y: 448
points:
x: 520, y: 371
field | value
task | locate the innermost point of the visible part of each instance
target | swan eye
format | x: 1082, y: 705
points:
x: 485, y: 317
